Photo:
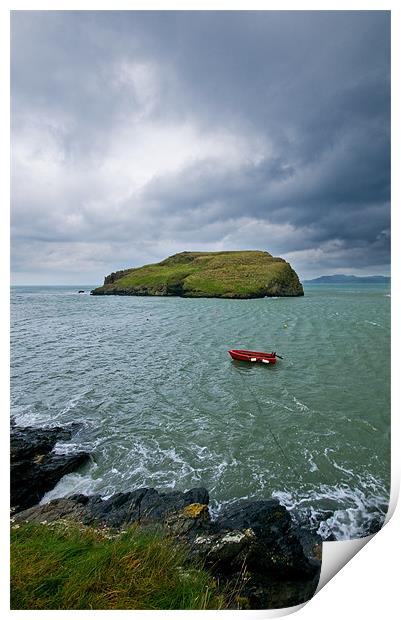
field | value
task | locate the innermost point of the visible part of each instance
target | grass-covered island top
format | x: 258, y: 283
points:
x: 233, y: 275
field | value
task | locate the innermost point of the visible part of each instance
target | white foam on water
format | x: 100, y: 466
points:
x: 26, y: 416
x: 72, y: 403
x: 147, y: 463
x: 287, y: 408
x: 45, y: 414
x: 338, y: 510
x: 335, y: 464
x: 369, y: 425
x: 340, y: 468
x: 70, y: 447
x: 66, y: 448
x: 300, y: 405
x: 260, y: 479
x: 345, y: 510
x: 309, y: 457
x: 74, y: 483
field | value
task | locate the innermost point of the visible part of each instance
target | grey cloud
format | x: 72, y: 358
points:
x: 140, y: 133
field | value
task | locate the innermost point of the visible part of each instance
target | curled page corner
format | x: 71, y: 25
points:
x: 336, y: 554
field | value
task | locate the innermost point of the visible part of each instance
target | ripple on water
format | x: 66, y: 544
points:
x: 162, y: 404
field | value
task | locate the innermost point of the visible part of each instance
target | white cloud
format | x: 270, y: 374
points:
x: 139, y: 135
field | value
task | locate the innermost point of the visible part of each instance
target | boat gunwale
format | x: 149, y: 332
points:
x: 249, y: 353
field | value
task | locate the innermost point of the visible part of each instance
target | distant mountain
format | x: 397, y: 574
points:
x: 343, y: 279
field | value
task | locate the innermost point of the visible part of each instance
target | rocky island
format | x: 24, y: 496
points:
x: 233, y: 275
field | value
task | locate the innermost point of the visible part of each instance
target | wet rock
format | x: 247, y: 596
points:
x: 260, y: 533
x: 256, y: 548
x: 56, y: 510
x: 268, y: 592
x: 28, y: 441
x: 375, y: 526
x: 188, y: 521
x: 35, y: 468
x: 141, y: 506
x: 311, y: 544
x: 253, y: 546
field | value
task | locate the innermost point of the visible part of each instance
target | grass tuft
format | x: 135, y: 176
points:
x: 65, y: 566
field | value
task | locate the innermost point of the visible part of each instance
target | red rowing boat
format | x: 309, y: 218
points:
x: 253, y: 356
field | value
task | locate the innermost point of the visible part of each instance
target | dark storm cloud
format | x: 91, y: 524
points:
x: 138, y: 134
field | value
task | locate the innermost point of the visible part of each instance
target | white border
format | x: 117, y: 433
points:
x: 367, y: 586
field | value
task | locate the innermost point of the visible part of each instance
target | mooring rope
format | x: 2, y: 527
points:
x: 276, y: 441
x: 289, y: 460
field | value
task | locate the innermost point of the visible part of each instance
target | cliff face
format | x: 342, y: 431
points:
x: 235, y: 275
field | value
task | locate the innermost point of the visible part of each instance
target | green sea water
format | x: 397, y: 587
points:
x: 162, y: 404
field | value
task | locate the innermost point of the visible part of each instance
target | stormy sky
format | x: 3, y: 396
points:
x: 136, y: 135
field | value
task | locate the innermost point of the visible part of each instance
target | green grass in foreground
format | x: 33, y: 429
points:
x: 69, y: 567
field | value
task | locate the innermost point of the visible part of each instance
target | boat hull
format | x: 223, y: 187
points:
x: 243, y: 355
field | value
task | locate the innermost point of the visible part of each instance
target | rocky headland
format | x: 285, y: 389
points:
x: 232, y: 275
x: 252, y: 546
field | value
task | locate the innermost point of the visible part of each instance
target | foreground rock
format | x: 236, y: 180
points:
x: 35, y: 467
x: 257, y: 545
x: 233, y: 275
x: 253, y: 546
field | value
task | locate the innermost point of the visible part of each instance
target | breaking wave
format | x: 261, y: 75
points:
x: 161, y: 404
x: 339, y: 512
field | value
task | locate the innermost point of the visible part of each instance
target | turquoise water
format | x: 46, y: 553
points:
x: 162, y: 404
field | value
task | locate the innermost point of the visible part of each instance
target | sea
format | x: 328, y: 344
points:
x: 161, y: 403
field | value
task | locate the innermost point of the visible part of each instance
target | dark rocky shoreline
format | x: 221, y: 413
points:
x: 35, y: 468
x: 251, y: 543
